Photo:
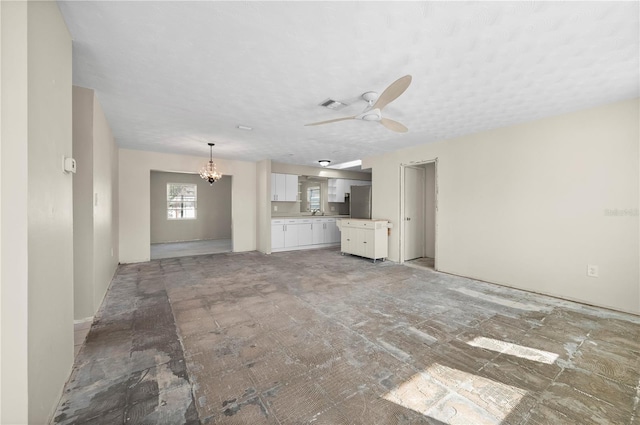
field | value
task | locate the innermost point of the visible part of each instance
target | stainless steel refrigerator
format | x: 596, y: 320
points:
x: 360, y: 202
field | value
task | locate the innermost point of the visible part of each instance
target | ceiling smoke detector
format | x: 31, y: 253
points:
x: 333, y: 104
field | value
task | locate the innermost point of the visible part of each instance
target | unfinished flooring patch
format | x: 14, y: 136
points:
x: 319, y: 338
x: 131, y: 368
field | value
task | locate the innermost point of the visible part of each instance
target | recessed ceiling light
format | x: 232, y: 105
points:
x: 324, y: 162
x: 244, y: 127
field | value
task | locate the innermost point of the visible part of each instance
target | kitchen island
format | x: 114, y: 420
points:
x: 364, y: 237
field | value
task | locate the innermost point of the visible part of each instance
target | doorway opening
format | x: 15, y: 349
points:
x: 188, y: 216
x: 418, y: 212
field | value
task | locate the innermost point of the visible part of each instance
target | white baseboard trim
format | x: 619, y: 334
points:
x: 298, y: 248
x: 86, y: 319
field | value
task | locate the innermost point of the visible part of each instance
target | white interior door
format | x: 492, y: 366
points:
x: 414, y: 215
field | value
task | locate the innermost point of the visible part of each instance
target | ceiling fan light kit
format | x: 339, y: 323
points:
x: 373, y: 112
x: 371, y: 115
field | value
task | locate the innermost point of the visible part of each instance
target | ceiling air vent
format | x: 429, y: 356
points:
x: 333, y: 104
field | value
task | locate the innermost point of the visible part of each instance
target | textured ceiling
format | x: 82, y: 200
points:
x: 172, y: 76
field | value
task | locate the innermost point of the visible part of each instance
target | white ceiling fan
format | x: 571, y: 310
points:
x: 373, y: 112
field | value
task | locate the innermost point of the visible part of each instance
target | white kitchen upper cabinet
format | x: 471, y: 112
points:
x: 284, y: 187
x: 340, y: 185
x: 274, y: 187
x: 331, y: 190
x: 278, y: 187
x: 291, y: 187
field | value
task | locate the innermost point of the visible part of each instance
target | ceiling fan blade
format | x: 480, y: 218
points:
x: 392, y: 92
x: 394, y: 125
x: 330, y: 121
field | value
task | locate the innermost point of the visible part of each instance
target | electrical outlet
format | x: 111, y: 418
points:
x: 592, y: 271
x: 275, y: 208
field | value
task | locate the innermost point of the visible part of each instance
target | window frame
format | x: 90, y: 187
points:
x: 183, y: 209
x: 309, y: 195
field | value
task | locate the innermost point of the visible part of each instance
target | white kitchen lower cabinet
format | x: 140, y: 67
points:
x: 303, y: 233
x: 290, y: 233
x: 284, y: 234
x: 332, y: 231
x: 365, y: 238
x: 277, y: 234
x: 318, y: 231
x: 326, y: 230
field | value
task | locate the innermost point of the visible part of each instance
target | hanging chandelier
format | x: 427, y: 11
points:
x: 209, y: 172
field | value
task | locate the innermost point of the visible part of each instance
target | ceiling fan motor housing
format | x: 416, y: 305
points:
x: 372, y: 115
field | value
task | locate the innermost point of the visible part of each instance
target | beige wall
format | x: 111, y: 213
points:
x: 50, y: 238
x: 430, y: 210
x: 95, y: 190
x: 135, y: 171
x: 14, y: 209
x: 83, y: 203
x: 213, y: 216
x: 0, y: 215
x: 525, y: 206
x: 263, y: 204
x: 105, y: 205
x: 37, y: 213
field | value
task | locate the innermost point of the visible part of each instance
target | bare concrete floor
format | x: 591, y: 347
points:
x: 424, y: 262
x: 315, y: 337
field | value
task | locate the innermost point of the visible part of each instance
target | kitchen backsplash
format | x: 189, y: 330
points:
x: 292, y: 209
x: 341, y: 208
x: 285, y: 209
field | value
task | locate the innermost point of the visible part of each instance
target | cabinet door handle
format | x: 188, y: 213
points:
x: 311, y: 226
